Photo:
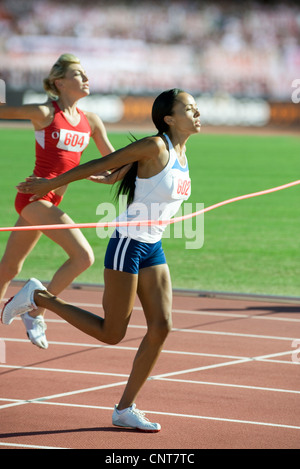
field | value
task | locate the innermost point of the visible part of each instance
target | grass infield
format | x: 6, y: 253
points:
x: 250, y: 246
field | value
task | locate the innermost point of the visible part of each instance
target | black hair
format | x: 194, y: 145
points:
x: 162, y: 106
x: 127, y: 185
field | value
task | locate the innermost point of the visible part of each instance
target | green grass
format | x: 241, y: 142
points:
x: 251, y: 246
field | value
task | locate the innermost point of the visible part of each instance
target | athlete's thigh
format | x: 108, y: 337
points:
x: 20, y: 243
x: 118, y: 297
x: 155, y: 293
x: 42, y: 212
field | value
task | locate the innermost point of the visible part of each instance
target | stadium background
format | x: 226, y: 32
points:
x: 241, y: 61
x: 241, y: 58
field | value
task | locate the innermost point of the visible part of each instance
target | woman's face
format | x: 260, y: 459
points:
x: 75, y: 81
x: 186, y: 115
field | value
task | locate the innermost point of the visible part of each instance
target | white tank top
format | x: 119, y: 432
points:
x: 157, y: 198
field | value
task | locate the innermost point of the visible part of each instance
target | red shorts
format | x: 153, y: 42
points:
x: 23, y: 199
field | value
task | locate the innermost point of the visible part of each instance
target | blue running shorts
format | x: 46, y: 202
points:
x: 129, y: 255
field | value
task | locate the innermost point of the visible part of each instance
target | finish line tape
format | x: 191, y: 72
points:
x: 147, y: 222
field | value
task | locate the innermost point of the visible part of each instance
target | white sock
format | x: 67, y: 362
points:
x: 122, y: 411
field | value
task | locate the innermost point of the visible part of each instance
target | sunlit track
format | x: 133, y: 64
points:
x: 173, y: 414
x: 186, y: 311
x: 229, y: 367
x: 174, y: 352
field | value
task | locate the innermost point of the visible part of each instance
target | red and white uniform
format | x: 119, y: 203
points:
x: 60, y: 145
x: 58, y: 148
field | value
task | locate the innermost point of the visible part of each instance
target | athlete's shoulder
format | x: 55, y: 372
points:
x: 156, y: 141
x: 151, y: 147
x: 94, y: 121
x: 92, y: 117
x: 48, y: 108
x: 42, y: 114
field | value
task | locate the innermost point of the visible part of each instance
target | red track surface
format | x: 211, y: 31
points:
x: 227, y: 378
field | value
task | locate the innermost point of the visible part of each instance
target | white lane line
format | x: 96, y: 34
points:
x: 172, y: 414
x: 164, y: 375
x: 121, y: 347
x: 21, y: 445
x: 218, y: 365
x: 64, y: 394
x: 219, y: 333
x: 175, y: 352
x: 63, y: 370
x: 264, y: 316
x: 207, y: 313
x: 156, y: 378
x: 229, y: 385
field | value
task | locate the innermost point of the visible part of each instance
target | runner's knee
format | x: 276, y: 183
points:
x: 159, y: 330
x: 114, y: 337
x: 9, y: 270
x: 85, y: 258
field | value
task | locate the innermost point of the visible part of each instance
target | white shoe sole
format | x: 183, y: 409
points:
x: 21, y: 302
x: 35, y: 329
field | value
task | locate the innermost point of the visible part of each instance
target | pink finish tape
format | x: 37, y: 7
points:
x: 147, y: 222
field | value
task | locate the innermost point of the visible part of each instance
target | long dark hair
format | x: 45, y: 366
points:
x: 162, y: 106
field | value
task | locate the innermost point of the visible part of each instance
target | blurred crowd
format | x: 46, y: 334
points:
x: 245, y: 48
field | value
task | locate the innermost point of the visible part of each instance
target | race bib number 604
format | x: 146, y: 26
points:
x: 71, y: 140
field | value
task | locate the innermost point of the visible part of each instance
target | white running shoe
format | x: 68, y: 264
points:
x: 35, y: 328
x: 134, y: 418
x: 21, y: 302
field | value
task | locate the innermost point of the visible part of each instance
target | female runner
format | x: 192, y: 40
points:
x: 135, y: 261
x: 62, y: 132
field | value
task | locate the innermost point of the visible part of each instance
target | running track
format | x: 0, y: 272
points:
x: 228, y: 378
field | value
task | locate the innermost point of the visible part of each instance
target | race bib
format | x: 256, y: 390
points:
x: 181, y: 188
x: 71, y: 140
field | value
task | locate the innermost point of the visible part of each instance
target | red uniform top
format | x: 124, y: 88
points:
x: 59, y: 146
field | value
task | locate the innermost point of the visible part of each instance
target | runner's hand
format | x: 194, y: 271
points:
x: 110, y: 177
x: 34, y: 185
